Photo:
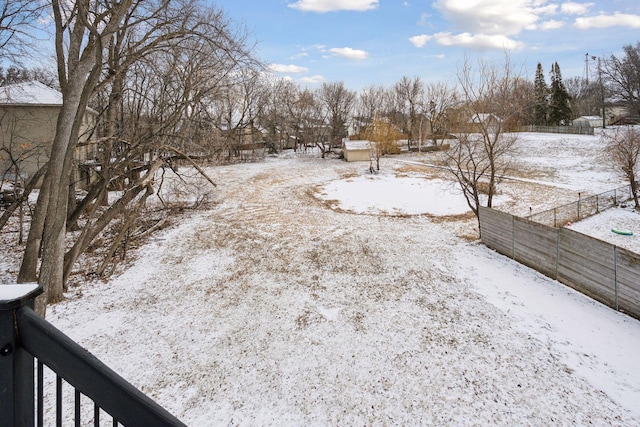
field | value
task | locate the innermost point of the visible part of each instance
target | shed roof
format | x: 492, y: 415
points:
x: 589, y: 118
x: 357, y: 145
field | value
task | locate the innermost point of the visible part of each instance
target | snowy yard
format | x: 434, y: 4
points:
x: 313, y: 293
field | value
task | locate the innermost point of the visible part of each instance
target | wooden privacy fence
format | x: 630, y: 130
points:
x: 600, y: 270
x: 573, y: 130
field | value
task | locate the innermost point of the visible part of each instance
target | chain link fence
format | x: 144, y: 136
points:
x: 582, y: 208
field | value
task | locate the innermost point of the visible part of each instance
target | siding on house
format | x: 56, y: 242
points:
x: 28, y: 119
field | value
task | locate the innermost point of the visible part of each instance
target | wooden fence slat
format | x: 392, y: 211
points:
x: 600, y: 270
x: 538, y: 248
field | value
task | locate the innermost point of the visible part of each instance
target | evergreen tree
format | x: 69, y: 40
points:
x: 541, y: 92
x: 559, y: 104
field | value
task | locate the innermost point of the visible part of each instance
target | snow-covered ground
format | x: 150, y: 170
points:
x: 601, y: 225
x: 313, y: 293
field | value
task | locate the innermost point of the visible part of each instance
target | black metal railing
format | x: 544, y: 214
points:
x: 27, y: 340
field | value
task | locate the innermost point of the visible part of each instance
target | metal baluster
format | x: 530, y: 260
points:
x: 40, y: 387
x: 58, y: 401
x: 96, y: 415
x: 77, y: 409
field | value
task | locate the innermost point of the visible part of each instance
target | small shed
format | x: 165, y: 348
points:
x: 587, y: 121
x: 356, y: 151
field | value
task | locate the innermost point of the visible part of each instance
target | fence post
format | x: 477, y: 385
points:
x: 16, y: 365
x: 615, y: 274
x: 513, y: 237
x: 579, y: 200
x: 559, y: 232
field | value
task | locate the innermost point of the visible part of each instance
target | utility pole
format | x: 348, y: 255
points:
x: 586, y: 68
x: 604, y: 120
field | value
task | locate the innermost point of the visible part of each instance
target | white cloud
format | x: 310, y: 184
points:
x: 322, y: 6
x: 281, y: 68
x: 347, y: 52
x: 313, y: 80
x: 551, y: 24
x: 421, y: 40
x: 573, y: 8
x: 494, y: 17
x: 424, y: 19
x: 479, y: 41
x: 476, y: 41
x: 605, y: 21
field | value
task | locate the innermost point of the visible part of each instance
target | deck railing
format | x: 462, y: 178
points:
x: 30, y: 344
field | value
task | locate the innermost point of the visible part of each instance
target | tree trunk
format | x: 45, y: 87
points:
x: 29, y: 266
x: 58, y: 174
x: 634, y: 190
x: 23, y: 197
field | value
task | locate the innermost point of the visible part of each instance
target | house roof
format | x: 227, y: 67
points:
x: 30, y: 93
x: 484, y: 117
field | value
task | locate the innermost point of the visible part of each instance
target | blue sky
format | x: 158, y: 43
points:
x: 364, y: 42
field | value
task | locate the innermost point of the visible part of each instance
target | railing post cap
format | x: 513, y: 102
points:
x: 14, y: 296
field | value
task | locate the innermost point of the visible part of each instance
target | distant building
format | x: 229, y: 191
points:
x: 28, y: 119
x: 621, y: 114
x: 487, y: 121
x: 587, y: 121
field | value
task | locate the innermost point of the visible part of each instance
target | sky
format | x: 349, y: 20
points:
x: 367, y: 42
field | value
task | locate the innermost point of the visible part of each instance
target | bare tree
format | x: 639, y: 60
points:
x: 14, y: 74
x: 162, y: 109
x: 156, y: 83
x: 584, y: 96
x: 481, y: 155
x: 438, y: 100
x: 18, y: 19
x: 273, y: 114
x: 237, y: 108
x: 409, y: 93
x: 623, y: 76
x: 338, y: 101
x: 82, y: 28
x: 373, y: 101
x: 622, y: 148
x: 524, y: 98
